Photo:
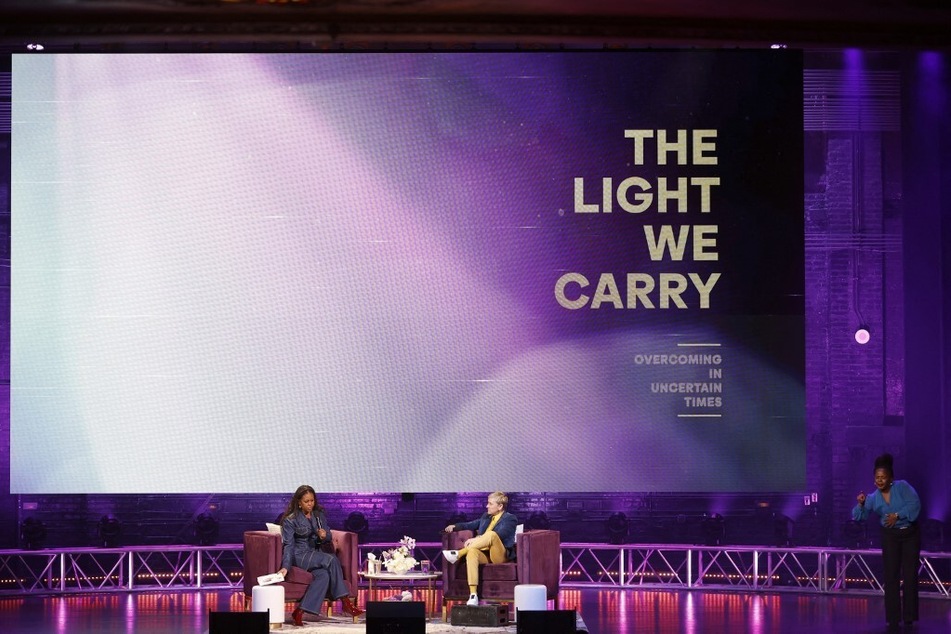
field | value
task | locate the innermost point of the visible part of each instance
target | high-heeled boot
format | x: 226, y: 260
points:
x: 298, y: 616
x: 350, y: 608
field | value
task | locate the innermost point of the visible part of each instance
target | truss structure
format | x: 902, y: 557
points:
x: 673, y: 566
x: 114, y: 569
x: 742, y: 568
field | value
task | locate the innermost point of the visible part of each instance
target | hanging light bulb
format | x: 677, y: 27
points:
x: 862, y: 335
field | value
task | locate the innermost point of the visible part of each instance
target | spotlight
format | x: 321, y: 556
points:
x: 782, y: 529
x: 109, y: 530
x: 538, y: 521
x: 713, y: 529
x: 617, y: 528
x: 206, y: 529
x: 356, y: 522
x: 862, y: 335
x: 33, y: 533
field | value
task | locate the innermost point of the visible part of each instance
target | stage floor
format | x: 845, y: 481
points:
x: 605, y: 611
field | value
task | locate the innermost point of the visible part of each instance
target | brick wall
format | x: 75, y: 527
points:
x: 165, y: 519
x: 851, y: 252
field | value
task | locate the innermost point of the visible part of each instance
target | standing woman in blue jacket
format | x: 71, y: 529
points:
x: 897, y: 505
x: 305, y: 533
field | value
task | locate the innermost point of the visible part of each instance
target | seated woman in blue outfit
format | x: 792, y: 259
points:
x: 304, y: 531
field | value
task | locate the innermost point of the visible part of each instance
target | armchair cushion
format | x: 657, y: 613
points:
x: 499, y: 572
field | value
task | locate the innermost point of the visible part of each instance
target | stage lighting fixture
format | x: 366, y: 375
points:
x: 782, y: 529
x: 617, y: 527
x: 713, y: 529
x: 108, y: 531
x: 357, y: 523
x: 32, y: 533
x: 206, y: 529
x: 538, y: 521
x: 862, y: 335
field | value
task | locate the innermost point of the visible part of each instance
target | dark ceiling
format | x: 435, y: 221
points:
x: 884, y: 24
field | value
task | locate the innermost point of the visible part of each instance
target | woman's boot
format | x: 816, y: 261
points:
x: 350, y: 608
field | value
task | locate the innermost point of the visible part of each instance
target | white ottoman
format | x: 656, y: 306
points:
x: 269, y: 599
x: 530, y: 596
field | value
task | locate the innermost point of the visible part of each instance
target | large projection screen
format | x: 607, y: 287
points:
x: 414, y: 272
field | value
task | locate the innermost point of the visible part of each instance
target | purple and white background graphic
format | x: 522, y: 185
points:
x: 408, y: 272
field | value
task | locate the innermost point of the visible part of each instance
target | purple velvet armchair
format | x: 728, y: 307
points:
x: 262, y: 555
x: 538, y: 560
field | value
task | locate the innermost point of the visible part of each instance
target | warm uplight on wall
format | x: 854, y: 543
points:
x: 862, y: 335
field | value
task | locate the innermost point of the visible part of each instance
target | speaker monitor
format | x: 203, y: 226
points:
x: 548, y: 621
x: 396, y: 617
x: 238, y: 623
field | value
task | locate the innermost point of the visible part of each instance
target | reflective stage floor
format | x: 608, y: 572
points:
x: 604, y: 611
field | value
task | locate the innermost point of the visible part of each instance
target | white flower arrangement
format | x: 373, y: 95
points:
x: 400, y: 560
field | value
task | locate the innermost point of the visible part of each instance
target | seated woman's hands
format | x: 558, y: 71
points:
x: 282, y: 572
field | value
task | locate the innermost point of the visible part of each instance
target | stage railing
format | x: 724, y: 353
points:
x: 672, y: 566
x: 120, y: 569
x: 742, y: 568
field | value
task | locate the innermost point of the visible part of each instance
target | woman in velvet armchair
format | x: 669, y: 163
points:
x: 305, y: 532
